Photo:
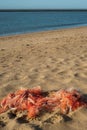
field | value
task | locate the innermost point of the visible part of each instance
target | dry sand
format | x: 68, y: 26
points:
x: 53, y: 60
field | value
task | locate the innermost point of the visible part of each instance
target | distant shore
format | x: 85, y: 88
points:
x: 36, y: 10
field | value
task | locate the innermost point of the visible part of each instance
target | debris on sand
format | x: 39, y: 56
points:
x: 35, y: 101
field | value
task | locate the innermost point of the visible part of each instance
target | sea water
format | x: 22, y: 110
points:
x: 27, y: 22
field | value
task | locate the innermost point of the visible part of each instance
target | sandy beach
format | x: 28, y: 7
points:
x: 53, y: 60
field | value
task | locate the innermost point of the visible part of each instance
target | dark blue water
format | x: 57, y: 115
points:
x: 25, y: 22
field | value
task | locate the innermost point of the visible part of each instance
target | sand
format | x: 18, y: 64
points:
x: 53, y: 60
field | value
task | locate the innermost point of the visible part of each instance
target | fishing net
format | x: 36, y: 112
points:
x: 35, y: 101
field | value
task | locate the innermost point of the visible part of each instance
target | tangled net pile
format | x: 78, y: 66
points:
x: 35, y: 101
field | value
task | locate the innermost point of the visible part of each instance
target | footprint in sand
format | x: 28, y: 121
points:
x: 81, y: 76
x: 66, y: 76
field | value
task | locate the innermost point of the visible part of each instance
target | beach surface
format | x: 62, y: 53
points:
x: 53, y: 60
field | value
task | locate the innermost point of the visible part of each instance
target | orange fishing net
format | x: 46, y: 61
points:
x: 35, y: 101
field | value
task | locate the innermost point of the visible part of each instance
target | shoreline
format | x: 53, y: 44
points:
x: 43, y: 31
x: 51, y: 59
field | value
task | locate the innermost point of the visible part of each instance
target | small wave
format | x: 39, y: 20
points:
x: 56, y: 25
